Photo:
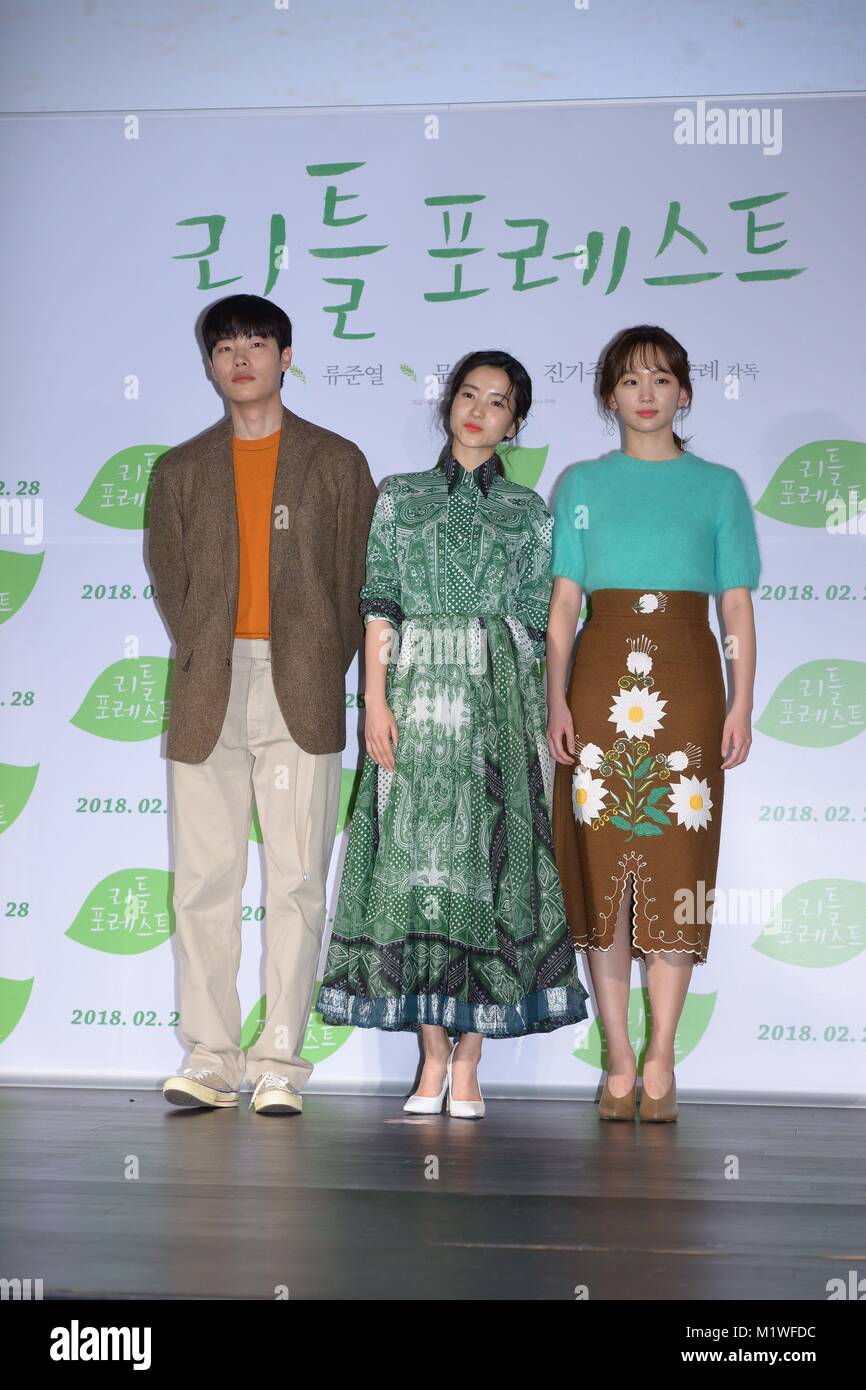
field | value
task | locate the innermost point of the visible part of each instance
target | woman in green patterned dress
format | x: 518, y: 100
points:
x: 450, y: 916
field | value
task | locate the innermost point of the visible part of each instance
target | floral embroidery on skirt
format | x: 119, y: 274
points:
x: 648, y: 703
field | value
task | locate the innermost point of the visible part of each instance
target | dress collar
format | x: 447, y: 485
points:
x: 485, y: 472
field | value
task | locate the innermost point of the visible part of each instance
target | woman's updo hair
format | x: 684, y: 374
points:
x: 520, y: 395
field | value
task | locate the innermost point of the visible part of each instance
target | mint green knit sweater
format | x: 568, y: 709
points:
x: 627, y: 523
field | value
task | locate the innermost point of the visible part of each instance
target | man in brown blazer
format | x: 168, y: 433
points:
x: 258, y: 533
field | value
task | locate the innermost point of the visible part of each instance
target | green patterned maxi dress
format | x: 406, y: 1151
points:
x: 450, y: 907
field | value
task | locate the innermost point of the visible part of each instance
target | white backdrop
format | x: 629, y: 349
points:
x: 120, y: 230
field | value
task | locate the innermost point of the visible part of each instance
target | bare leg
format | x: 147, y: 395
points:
x: 668, y: 974
x: 464, y: 1068
x: 436, y: 1052
x: 611, y: 979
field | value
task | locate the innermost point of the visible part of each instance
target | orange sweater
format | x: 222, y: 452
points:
x: 255, y: 468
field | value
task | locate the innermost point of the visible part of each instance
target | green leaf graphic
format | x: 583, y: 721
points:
x: 522, y: 465
x: 322, y: 1039
x: 802, y: 484
x: 16, y: 784
x: 297, y: 374
x: 818, y: 705
x: 408, y: 371
x: 18, y: 574
x: 14, y: 996
x: 350, y: 780
x: 821, y: 922
x: 118, y: 495
x: 253, y: 1025
x: 128, y: 701
x: 127, y: 913
x: 695, y: 1018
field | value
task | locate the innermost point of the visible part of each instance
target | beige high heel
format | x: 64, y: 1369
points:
x: 612, y: 1107
x: 663, y: 1109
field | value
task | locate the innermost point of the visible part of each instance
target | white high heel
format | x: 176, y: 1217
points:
x: 429, y: 1105
x: 463, y: 1109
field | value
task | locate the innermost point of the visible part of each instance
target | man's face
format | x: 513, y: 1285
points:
x: 248, y: 369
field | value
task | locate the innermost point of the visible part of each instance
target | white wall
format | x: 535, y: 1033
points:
x: 96, y: 55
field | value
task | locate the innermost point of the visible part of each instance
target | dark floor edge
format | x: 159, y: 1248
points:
x: 499, y: 1091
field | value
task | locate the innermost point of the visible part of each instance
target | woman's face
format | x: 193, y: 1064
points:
x: 648, y: 396
x: 481, y: 412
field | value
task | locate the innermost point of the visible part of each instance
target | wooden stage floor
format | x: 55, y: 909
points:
x: 115, y: 1194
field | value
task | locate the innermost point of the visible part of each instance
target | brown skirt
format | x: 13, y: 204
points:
x: 642, y: 803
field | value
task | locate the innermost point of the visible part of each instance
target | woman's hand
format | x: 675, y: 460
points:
x: 560, y: 733
x: 738, y: 623
x: 380, y: 728
x: 736, y: 736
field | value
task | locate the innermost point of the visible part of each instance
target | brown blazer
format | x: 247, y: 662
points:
x: 317, y: 567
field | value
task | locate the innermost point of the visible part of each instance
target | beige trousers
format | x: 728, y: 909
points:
x: 298, y: 796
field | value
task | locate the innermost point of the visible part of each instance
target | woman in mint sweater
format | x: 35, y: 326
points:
x: 640, y: 735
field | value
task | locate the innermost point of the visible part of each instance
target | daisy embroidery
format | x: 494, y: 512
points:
x: 638, y: 713
x: 691, y: 802
x: 632, y: 798
x: 587, y: 796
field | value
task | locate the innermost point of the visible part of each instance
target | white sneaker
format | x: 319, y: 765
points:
x: 202, y: 1087
x: 273, y: 1095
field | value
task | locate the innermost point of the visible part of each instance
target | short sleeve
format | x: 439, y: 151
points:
x: 381, y: 591
x: 737, y: 558
x: 568, y: 558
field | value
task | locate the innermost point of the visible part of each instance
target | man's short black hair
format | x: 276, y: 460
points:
x: 246, y: 316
